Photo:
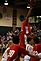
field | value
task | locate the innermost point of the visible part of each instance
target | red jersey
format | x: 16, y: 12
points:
x: 22, y: 40
x: 26, y: 28
x: 12, y: 53
x: 38, y: 49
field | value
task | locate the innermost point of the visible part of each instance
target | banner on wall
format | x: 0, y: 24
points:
x: 7, y: 13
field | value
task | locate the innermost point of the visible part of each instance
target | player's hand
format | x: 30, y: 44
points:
x: 35, y: 53
x: 32, y: 3
x: 39, y: 55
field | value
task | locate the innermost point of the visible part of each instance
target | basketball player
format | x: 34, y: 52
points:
x: 14, y: 51
x: 26, y: 28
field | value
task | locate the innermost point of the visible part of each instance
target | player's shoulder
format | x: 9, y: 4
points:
x: 7, y: 49
x: 24, y: 22
x: 28, y: 45
x: 37, y: 44
x: 14, y: 46
x: 17, y: 45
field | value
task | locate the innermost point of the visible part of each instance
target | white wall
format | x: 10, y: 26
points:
x: 7, y: 16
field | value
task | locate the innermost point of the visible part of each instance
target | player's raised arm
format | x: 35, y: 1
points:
x: 32, y: 5
x: 29, y: 13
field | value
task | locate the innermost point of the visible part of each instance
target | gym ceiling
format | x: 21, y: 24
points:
x: 23, y: 4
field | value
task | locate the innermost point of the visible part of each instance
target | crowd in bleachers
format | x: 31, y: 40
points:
x: 7, y: 39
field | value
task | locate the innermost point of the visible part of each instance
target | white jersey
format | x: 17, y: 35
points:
x: 39, y: 55
x: 29, y: 48
x: 5, y: 55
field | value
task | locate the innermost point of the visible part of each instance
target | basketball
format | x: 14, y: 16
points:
x: 32, y: 3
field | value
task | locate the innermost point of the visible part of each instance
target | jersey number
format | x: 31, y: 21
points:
x: 11, y: 53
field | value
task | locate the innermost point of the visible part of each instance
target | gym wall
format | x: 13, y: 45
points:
x: 6, y: 19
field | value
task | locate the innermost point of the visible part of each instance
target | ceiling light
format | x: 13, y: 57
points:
x: 5, y: 0
x: 40, y: 16
x: 37, y: 16
x: 6, y: 3
x: 28, y: 6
